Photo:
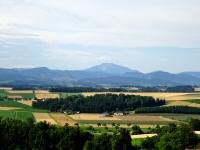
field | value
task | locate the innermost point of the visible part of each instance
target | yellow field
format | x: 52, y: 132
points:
x: 92, y: 117
x: 62, y: 119
x: 46, y: 95
x: 132, y: 118
x: 26, y: 102
x: 9, y: 108
x: 41, y: 117
x: 20, y: 91
x: 166, y: 96
x: 144, y: 118
x: 42, y: 91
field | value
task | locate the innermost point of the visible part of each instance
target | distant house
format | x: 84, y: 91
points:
x: 197, y: 89
x: 119, y: 114
x: 15, y: 97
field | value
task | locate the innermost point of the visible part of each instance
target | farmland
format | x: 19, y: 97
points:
x: 160, y: 95
x: 23, y: 110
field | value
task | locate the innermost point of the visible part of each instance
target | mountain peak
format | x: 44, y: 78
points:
x: 109, y: 68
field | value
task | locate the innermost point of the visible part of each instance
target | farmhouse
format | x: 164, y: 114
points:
x: 119, y: 114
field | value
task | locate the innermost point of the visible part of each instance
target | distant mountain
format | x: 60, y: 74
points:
x: 109, y: 68
x: 195, y: 74
x: 106, y: 74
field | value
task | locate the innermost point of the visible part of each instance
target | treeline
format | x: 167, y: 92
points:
x: 173, y: 137
x: 86, y: 89
x: 180, y: 89
x: 122, y: 89
x: 98, y: 103
x: 19, y: 135
x: 169, y: 109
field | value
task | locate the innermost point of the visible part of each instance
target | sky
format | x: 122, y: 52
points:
x: 146, y: 35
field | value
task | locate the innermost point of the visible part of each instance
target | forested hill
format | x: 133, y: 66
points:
x: 98, y: 103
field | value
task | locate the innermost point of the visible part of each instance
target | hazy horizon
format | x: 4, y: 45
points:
x: 142, y: 35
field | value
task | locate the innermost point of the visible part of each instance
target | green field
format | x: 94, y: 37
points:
x: 24, y: 95
x: 64, y: 95
x: 197, y: 101
x: 23, y: 115
x: 7, y: 114
x: 124, y: 122
x: 20, y: 115
x: 137, y: 142
x: 20, y: 105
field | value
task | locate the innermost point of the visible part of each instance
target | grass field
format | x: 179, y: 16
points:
x: 137, y: 142
x: 197, y: 101
x: 7, y: 114
x: 23, y: 115
x: 20, y: 115
x: 24, y: 94
x: 123, y: 120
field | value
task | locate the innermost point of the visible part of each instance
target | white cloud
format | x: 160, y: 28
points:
x: 101, y: 30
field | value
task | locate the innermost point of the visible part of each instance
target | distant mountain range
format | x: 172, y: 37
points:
x: 106, y: 74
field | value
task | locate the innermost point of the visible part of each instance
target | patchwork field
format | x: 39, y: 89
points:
x: 129, y: 119
x: 20, y: 115
x: 26, y: 102
x: 62, y: 119
x: 92, y: 117
x: 40, y: 117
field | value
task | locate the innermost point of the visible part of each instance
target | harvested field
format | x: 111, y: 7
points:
x: 144, y: 118
x: 40, y: 117
x: 26, y: 102
x: 9, y: 108
x: 41, y: 91
x: 142, y: 136
x: 20, y: 91
x: 183, y: 103
x: 41, y: 96
x: 181, y: 117
x: 92, y: 117
x: 62, y: 119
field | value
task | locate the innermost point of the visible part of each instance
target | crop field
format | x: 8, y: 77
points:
x: 7, y: 114
x: 196, y: 101
x: 41, y: 91
x: 26, y: 102
x: 46, y: 95
x: 132, y: 119
x: 41, y: 117
x: 20, y: 91
x: 166, y: 96
x: 26, y: 94
x: 190, y: 103
x: 64, y: 95
x: 62, y: 119
x: 20, y: 115
x: 23, y: 115
x: 91, y: 117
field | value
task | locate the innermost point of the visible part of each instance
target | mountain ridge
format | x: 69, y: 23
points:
x: 104, y: 74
